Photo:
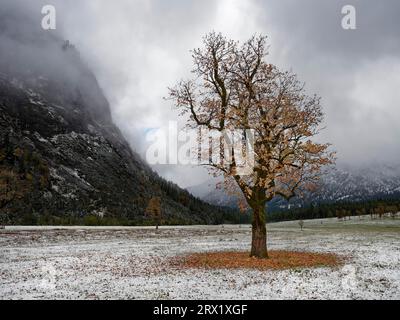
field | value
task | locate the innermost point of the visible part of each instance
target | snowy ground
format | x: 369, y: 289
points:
x: 130, y: 263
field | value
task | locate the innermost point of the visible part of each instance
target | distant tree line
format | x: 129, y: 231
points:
x: 342, y: 210
x: 25, y: 178
x: 24, y: 175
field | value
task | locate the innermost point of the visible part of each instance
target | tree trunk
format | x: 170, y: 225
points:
x: 259, y: 234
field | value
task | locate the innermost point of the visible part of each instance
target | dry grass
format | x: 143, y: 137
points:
x: 278, y: 260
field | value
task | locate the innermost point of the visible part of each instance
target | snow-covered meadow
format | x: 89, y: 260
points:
x: 132, y: 263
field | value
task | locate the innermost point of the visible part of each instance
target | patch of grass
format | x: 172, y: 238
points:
x: 278, y: 260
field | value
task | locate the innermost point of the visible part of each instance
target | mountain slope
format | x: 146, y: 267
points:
x: 60, y: 153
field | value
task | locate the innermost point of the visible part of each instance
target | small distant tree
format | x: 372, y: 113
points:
x: 392, y: 211
x: 362, y: 212
x: 234, y: 88
x: 301, y: 224
x: 372, y: 212
x: 380, y: 211
x: 153, y: 210
x: 341, y: 214
x: 346, y: 214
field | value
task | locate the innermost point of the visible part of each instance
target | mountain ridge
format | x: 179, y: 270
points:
x: 61, y: 155
x: 337, y: 184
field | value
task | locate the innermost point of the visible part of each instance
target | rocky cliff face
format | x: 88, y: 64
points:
x: 60, y: 153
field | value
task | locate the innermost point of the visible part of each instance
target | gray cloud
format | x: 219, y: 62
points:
x: 355, y: 72
x: 138, y: 48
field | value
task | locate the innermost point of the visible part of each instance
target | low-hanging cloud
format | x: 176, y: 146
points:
x: 139, y: 48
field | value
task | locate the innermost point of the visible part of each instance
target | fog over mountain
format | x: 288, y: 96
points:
x: 137, y: 49
x: 62, y: 158
x: 345, y: 184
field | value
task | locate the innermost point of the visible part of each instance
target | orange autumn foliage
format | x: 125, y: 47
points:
x: 278, y: 260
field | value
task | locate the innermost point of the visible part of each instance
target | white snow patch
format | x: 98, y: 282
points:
x: 130, y: 262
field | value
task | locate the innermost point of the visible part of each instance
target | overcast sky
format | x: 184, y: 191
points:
x: 137, y: 48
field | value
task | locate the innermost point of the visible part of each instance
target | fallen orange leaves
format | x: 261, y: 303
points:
x: 277, y: 260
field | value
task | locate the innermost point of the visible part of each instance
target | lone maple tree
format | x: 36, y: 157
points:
x: 234, y: 88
